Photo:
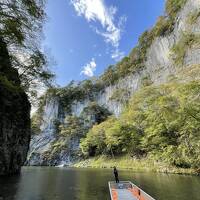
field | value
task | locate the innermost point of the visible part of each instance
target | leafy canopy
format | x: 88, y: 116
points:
x: 20, y: 28
x: 162, y: 122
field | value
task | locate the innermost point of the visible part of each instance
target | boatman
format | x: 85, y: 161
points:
x: 115, y: 171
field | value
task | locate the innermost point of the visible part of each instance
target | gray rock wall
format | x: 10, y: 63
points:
x: 14, y: 118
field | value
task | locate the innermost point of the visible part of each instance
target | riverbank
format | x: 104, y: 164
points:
x: 127, y: 162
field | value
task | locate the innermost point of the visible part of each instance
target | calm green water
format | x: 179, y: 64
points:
x: 37, y: 183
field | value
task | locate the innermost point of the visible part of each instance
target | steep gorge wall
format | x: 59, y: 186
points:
x: 159, y: 65
x: 159, y: 68
x: 14, y: 117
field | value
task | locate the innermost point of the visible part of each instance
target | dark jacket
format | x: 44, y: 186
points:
x: 115, y: 172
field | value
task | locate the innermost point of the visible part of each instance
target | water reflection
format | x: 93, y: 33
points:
x: 168, y: 186
x: 91, y: 184
x: 9, y: 187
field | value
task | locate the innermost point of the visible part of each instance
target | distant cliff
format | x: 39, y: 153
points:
x: 14, y: 117
x: 163, y: 54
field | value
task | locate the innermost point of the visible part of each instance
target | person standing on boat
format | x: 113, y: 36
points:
x: 115, y: 171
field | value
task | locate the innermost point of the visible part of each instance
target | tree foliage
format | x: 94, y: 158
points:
x: 21, y: 24
x: 73, y: 126
x: 95, y: 143
x: 173, y: 7
x: 94, y: 114
x: 162, y: 122
x: 75, y: 92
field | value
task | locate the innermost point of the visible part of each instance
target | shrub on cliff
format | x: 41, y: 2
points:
x: 186, y: 42
x: 73, y: 126
x: 94, y: 114
x: 193, y: 16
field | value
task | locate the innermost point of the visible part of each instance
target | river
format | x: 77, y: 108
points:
x: 48, y: 183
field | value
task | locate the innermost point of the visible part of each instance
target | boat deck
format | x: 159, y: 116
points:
x: 125, y: 190
x: 125, y: 194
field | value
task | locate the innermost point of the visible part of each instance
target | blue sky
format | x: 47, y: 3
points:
x: 86, y: 36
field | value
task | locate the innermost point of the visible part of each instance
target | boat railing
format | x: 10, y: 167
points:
x: 135, y: 190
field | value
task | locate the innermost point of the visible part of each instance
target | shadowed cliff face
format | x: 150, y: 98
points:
x: 14, y: 117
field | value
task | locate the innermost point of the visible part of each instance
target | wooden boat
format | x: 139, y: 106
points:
x: 126, y: 190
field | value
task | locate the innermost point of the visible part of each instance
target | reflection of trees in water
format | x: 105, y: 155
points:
x: 36, y: 184
x: 40, y: 183
x: 8, y: 187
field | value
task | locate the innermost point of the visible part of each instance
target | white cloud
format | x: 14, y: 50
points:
x: 89, y: 68
x: 96, y: 10
x: 117, y: 55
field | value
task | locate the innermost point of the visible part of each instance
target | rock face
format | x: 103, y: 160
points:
x: 41, y: 143
x: 159, y: 68
x: 14, y: 118
x: 47, y: 148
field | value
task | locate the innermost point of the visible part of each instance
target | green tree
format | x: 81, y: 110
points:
x: 73, y: 126
x: 20, y: 28
x: 122, y: 138
x: 110, y: 75
x: 95, y: 141
x: 160, y: 122
x: 173, y: 7
x: 94, y: 114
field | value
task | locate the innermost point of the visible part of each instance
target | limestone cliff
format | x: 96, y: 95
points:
x: 14, y: 118
x: 160, y: 66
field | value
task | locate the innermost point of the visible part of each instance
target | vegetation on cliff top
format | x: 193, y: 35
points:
x: 136, y: 59
x: 75, y: 92
x: 79, y: 126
